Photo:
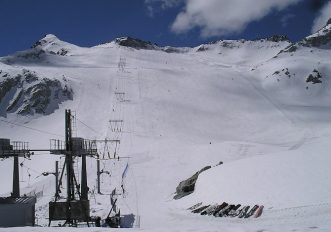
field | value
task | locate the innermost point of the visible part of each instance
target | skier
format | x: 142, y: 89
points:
x: 123, y: 190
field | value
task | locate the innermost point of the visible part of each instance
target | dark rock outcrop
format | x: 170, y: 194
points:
x: 321, y: 39
x: 278, y: 38
x: 52, y: 45
x: 187, y: 186
x: 29, y: 94
x: 314, y: 77
x: 7, y: 84
x: 134, y: 43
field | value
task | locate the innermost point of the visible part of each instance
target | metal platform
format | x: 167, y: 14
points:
x: 80, y: 147
x: 17, y: 148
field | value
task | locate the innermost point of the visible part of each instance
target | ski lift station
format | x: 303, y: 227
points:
x: 15, y: 210
x: 18, y: 210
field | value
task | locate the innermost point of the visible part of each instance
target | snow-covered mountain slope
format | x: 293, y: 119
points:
x: 243, y: 52
x: 26, y: 93
x: 297, y: 81
x: 245, y: 103
x: 140, y: 44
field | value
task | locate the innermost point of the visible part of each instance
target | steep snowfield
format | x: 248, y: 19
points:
x: 242, y: 52
x: 185, y: 111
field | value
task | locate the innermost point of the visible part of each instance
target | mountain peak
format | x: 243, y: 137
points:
x: 47, y: 39
x: 328, y: 22
x: 321, y: 38
x: 50, y: 36
x: 52, y: 44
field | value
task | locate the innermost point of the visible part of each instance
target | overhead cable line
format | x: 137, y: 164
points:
x: 30, y: 128
x: 88, y: 126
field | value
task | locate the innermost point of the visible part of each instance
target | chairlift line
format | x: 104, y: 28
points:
x: 74, y: 205
x: 30, y: 128
x: 117, y: 158
x: 87, y: 126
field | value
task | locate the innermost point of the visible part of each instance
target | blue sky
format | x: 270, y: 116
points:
x: 165, y: 22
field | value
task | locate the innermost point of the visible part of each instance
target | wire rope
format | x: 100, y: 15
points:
x: 30, y: 128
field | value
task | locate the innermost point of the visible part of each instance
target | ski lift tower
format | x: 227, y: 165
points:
x: 16, y: 210
x: 76, y: 207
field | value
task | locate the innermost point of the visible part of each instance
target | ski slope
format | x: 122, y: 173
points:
x: 184, y: 111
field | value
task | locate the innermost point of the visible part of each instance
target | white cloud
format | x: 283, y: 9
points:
x: 286, y: 18
x: 154, y: 6
x: 150, y: 11
x: 323, y: 16
x: 164, y: 4
x: 220, y: 17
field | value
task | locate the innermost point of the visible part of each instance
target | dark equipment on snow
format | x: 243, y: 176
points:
x: 17, y: 212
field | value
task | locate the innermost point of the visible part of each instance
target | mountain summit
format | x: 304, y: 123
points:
x: 52, y: 44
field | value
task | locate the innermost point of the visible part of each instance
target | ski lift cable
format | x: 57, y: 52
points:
x: 88, y: 126
x: 126, y: 204
x: 29, y: 176
x: 22, y: 170
x: 28, y: 168
x: 113, y: 107
x: 30, y: 128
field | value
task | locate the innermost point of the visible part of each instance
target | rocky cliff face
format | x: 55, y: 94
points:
x: 140, y: 44
x: 50, y: 43
x: 135, y: 43
x: 27, y: 93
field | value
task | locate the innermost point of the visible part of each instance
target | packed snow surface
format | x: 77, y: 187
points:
x: 240, y: 102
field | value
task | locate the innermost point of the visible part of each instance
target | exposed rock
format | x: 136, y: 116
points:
x: 52, y: 45
x: 283, y: 72
x: 228, y: 44
x: 62, y: 52
x: 291, y: 48
x: 134, y: 43
x: 278, y: 38
x: 31, y: 94
x: 187, y: 186
x: 7, y: 85
x: 172, y: 50
x: 202, y: 48
x: 318, y: 41
x: 314, y: 77
x: 47, y: 39
x: 321, y: 39
x: 14, y: 103
x: 29, y: 76
x: 276, y: 73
